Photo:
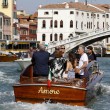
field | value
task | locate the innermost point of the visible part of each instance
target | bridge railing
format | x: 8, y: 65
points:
x: 54, y: 44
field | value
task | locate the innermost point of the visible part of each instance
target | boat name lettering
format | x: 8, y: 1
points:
x: 46, y: 91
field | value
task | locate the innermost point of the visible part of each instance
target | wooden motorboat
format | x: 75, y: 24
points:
x: 8, y: 57
x: 73, y: 92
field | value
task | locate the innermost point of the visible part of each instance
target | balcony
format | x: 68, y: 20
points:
x: 5, y: 5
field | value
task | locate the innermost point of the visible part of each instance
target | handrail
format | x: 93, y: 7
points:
x: 53, y: 44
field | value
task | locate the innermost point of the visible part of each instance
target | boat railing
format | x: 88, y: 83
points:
x: 92, y: 68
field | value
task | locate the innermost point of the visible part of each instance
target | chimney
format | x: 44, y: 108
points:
x: 85, y: 2
x: 40, y: 6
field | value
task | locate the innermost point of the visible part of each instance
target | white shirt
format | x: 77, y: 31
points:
x: 83, y: 58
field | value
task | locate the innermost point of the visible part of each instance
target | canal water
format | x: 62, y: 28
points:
x: 9, y: 74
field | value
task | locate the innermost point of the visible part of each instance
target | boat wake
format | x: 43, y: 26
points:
x: 103, y: 89
x: 42, y: 106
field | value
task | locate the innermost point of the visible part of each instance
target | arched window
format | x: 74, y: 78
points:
x: 51, y: 23
x: 61, y: 24
x: 43, y: 37
x: 55, y: 37
x: 50, y: 37
x: 71, y: 24
x: 61, y: 37
x: 55, y: 23
x: 43, y: 24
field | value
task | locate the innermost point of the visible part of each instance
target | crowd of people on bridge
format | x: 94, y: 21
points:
x: 61, y: 64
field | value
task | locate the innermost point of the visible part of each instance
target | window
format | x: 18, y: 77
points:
x: 51, y: 23
x: 82, y: 14
x: 103, y: 25
x: 15, y: 31
x: 81, y: 25
x: 56, y: 37
x: 56, y: 12
x: 91, y: 25
x: 14, y: 15
x: 46, y: 13
x: 107, y: 40
x: 43, y: 24
x: 87, y: 25
x: 87, y: 15
x: 24, y: 32
x: 71, y: 12
x: 61, y: 24
x: 76, y: 24
x: 43, y: 37
x: 97, y: 15
x: 94, y: 15
x: 103, y: 16
x: 71, y: 24
x: 61, y: 37
x: 97, y: 25
x: 107, y: 15
x: 77, y: 13
x: 0, y: 23
x: 7, y: 22
x: 5, y: 3
x: 0, y: 35
x: 50, y: 37
x: 55, y: 24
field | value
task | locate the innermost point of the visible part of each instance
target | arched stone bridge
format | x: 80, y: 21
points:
x: 86, y: 39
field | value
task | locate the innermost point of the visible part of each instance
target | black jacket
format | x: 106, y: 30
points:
x: 40, y: 61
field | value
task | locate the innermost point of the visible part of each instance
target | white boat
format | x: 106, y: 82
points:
x: 23, y: 62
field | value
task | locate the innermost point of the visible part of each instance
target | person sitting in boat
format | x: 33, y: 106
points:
x: 57, y: 66
x: 91, y: 54
x: 70, y: 66
x: 40, y: 60
x: 83, y: 62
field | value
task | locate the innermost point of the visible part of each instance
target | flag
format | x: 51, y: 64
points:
x: 49, y: 79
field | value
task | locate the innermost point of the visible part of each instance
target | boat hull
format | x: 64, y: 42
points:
x: 38, y: 93
x: 8, y: 58
x: 23, y: 63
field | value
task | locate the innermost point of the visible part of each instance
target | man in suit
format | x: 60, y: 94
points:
x: 40, y: 61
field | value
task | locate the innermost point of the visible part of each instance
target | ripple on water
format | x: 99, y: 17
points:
x: 4, y: 78
x: 42, y: 106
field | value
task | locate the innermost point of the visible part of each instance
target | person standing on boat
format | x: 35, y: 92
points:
x: 83, y: 62
x: 70, y: 66
x: 40, y: 60
x: 62, y: 49
x: 30, y: 52
x: 91, y: 54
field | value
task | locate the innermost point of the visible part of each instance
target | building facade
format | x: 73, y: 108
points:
x: 1, y: 25
x: 27, y: 27
x: 60, y: 21
x: 8, y: 8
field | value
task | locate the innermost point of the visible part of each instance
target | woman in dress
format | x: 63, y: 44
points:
x: 71, y: 65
